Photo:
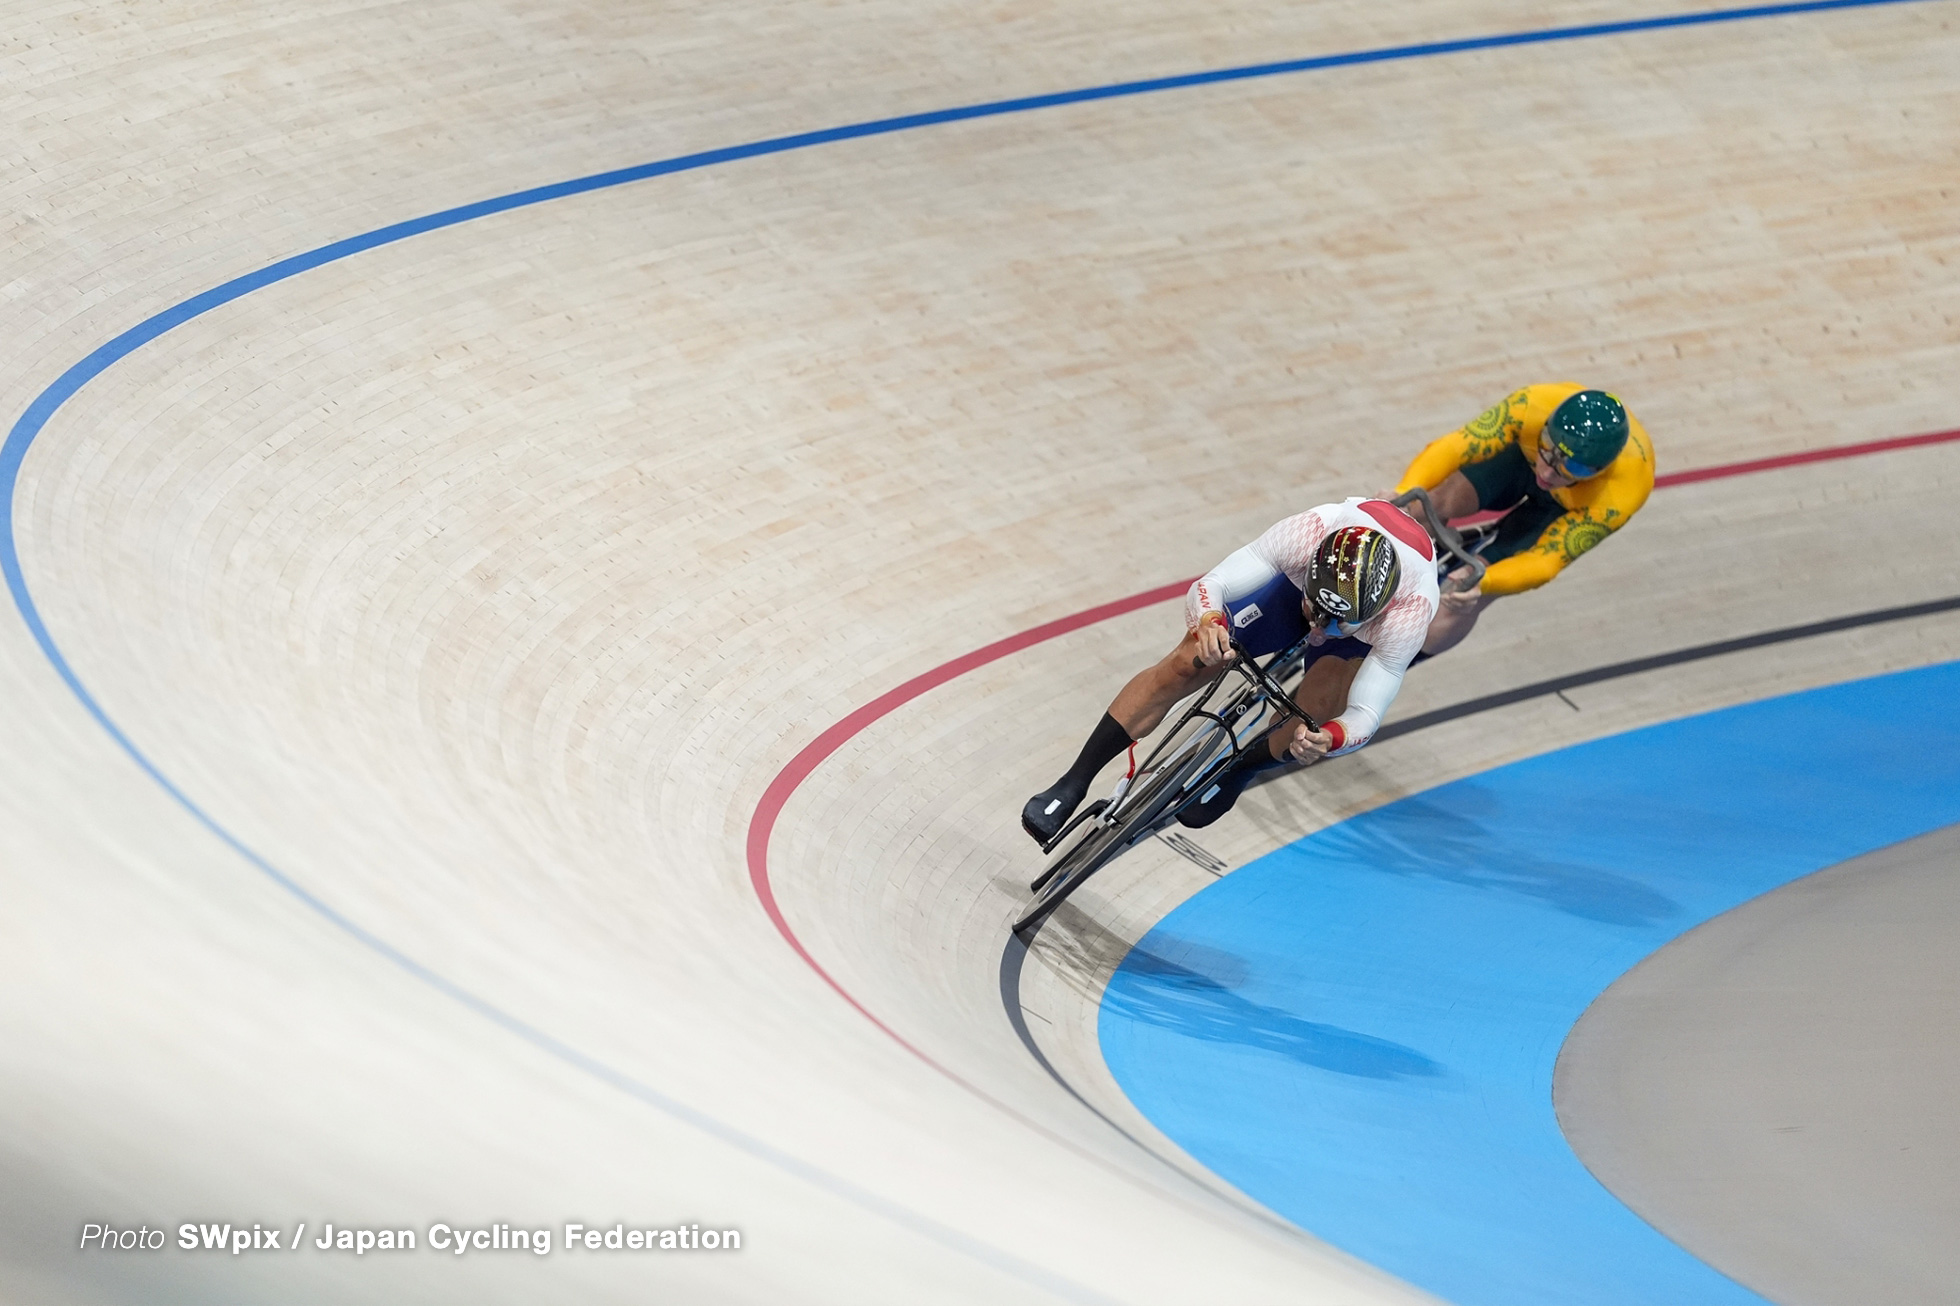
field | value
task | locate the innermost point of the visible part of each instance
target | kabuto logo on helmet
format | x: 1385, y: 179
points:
x: 1353, y: 574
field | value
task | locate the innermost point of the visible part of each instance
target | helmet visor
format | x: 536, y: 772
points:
x: 1562, y: 462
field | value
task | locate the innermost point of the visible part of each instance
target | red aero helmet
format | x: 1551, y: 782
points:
x: 1353, y: 575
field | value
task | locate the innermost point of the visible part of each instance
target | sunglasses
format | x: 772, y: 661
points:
x: 1333, y: 623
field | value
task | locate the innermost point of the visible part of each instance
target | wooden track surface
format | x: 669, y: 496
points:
x: 480, y: 584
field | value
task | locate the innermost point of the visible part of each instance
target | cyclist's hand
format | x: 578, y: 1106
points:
x: 1455, y: 599
x: 1214, y: 640
x: 1309, y: 745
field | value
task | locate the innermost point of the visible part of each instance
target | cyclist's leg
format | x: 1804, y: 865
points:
x: 1140, y: 707
x: 1323, y: 691
x: 1147, y: 699
x: 1452, y: 623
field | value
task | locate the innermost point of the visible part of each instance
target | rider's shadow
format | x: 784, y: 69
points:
x: 1157, y: 991
x: 1418, y: 837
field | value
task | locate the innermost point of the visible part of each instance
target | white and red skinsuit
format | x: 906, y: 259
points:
x: 1394, y: 635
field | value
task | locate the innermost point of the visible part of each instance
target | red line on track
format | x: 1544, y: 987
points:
x: 1808, y: 456
x: 763, y: 822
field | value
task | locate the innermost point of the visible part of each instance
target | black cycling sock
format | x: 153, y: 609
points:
x: 1048, y: 811
x: 1107, y: 740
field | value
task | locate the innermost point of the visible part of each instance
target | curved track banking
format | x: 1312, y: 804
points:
x: 461, y: 585
x: 1771, y: 1088
x: 1014, y: 952
x: 762, y: 821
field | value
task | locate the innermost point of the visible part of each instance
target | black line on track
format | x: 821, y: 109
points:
x: 1015, y: 955
x: 1541, y: 688
x: 1011, y: 961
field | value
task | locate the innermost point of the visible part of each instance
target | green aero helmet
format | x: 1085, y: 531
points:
x: 1584, y: 434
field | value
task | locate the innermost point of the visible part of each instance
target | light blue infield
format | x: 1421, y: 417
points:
x: 1360, y: 1030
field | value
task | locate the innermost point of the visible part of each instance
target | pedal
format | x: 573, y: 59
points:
x: 1089, y: 813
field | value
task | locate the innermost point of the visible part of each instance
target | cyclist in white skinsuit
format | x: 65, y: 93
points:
x: 1360, y: 575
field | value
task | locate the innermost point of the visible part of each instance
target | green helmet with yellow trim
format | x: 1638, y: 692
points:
x: 1584, y: 434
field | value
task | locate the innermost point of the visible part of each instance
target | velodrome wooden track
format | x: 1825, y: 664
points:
x: 422, y: 636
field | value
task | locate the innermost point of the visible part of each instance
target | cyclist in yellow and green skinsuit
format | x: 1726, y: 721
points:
x: 1570, y: 465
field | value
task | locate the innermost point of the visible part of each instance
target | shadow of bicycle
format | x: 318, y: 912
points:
x: 1157, y: 991
x: 1081, y: 951
x: 1417, y: 837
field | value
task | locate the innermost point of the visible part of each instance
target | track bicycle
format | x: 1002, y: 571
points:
x: 1220, y: 725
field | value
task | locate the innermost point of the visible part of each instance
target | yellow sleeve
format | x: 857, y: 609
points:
x: 1435, y: 463
x: 1534, y: 566
x: 1520, y: 414
x: 1521, y: 572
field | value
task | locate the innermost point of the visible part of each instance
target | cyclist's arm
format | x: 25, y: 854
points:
x: 1286, y: 547
x: 1524, y: 571
x: 1396, y: 642
x: 1375, y: 687
x: 1438, y: 459
x: 1483, y: 437
x: 1605, y: 508
x: 1566, y: 537
x: 1243, y: 571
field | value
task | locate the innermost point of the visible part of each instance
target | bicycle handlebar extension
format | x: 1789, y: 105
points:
x: 1445, y: 535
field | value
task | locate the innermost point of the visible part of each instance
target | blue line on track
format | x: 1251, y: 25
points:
x: 1359, y: 1031
x: 44, y: 406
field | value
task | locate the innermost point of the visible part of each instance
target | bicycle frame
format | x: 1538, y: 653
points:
x: 1260, y: 689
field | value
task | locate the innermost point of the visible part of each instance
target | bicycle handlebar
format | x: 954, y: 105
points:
x: 1445, y: 536
x: 1282, y: 701
x: 1247, y: 665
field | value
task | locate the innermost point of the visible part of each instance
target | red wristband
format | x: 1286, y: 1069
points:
x: 1340, y: 736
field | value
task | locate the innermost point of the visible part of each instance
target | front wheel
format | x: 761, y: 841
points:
x: 1154, y: 795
